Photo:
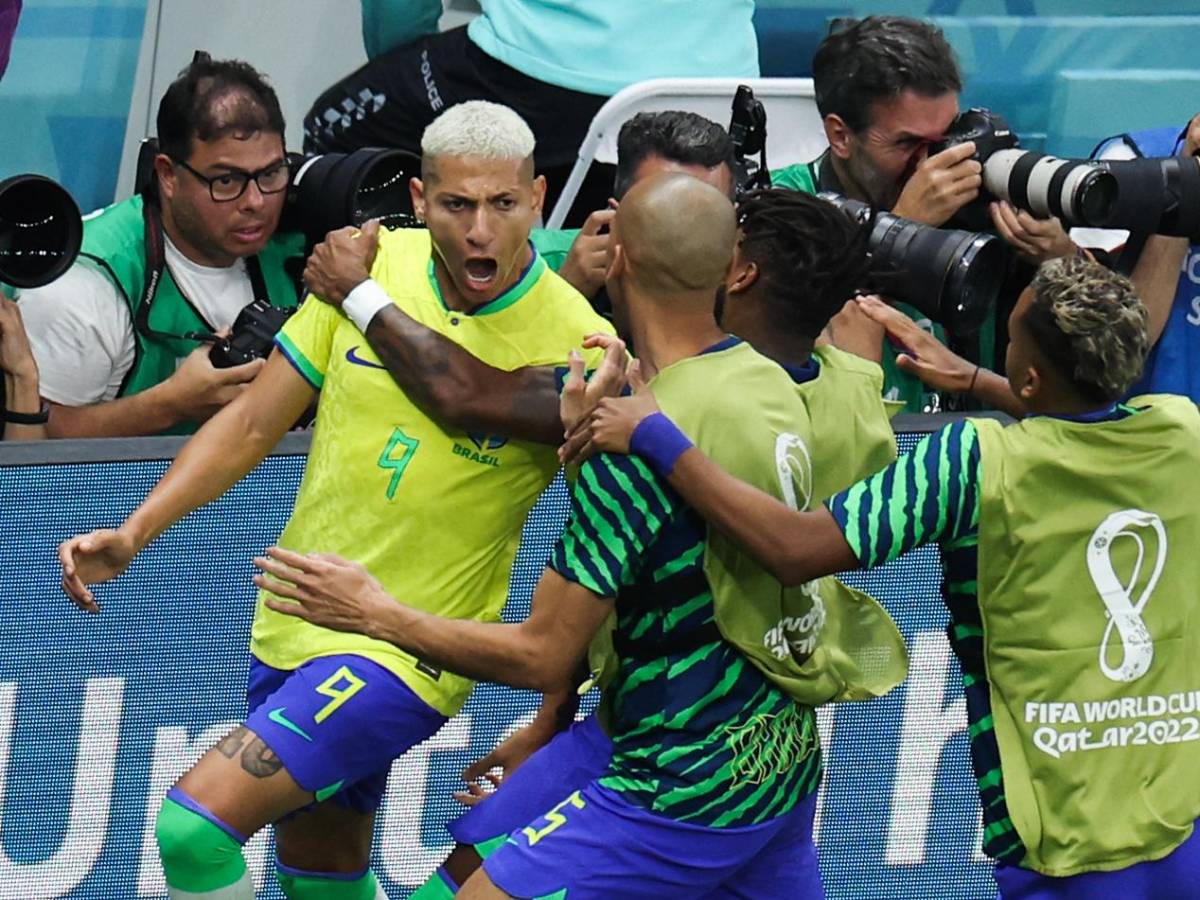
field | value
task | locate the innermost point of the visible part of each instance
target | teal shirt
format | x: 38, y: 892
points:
x: 587, y: 45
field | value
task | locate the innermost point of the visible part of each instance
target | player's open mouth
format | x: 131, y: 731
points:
x: 481, y: 273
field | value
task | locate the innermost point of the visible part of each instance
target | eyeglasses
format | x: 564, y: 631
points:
x: 231, y: 185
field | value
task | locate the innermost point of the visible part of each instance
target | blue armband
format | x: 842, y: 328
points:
x: 659, y: 442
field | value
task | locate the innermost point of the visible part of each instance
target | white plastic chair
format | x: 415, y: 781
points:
x: 794, y: 130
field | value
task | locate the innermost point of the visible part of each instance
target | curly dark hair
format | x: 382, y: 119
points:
x: 811, y: 256
x: 212, y: 98
x: 1091, y: 324
x: 877, y: 58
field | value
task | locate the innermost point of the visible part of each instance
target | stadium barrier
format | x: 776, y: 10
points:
x: 99, y: 714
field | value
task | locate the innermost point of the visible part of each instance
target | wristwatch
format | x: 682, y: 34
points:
x: 41, y: 417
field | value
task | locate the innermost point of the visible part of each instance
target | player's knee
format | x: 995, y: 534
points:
x: 189, y: 841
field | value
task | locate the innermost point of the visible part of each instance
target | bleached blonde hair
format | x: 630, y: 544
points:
x: 478, y: 128
x: 1092, y: 324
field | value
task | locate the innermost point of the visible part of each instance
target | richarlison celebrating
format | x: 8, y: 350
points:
x: 385, y: 485
x: 1069, y: 543
x: 712, y: 784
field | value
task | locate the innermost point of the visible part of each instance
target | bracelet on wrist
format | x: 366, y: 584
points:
x: 974, y: 376
x: 41, y: 417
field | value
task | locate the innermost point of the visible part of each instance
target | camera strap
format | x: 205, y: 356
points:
x: 156, y: 263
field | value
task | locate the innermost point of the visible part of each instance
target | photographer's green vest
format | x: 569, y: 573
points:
x: 115, y: 240
x: 1092, y: 631
x: 818, y: 642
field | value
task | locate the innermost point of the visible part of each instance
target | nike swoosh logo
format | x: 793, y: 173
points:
x: 353, y: 357
x: 277, y: 716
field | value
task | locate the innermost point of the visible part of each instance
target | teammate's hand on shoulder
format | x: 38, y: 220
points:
x: 941, y: 185
x: 587, y: 260
x: 921, y: 354
x: 91, y: 558
x: 1036, y: 240
x: 610, y: 426
x: 198, y: 389
x: 342, y: 262
x: 325, y: 589
x: 580, y: 394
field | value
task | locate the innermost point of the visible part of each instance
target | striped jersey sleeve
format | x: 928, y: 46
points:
x: 618, y: 508
x: 930, y: 494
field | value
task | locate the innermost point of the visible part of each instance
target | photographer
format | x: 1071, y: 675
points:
x: 23, y: 415
x: 122, y: 340
x: 1172, y: 296
x: 887, y: 90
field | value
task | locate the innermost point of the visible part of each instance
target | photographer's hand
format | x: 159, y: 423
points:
x: 198, y: 389
x: 587, y: 259
x: 342, y: 262
x: 1036, y: 240
x: 941, y: 185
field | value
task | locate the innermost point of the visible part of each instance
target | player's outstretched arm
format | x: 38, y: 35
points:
x: 229, y: 445
x: 540, y: 653
x: 936, y: 364
x: 447, y: 382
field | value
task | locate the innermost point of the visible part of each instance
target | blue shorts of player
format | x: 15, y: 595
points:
x: 594, y: 845
x: 337, y: 723
x: 574, y: 757
x: 1174, y: 877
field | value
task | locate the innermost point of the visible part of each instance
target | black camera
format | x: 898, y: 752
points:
x: 1079, y: 192
x: 334, y: 190
x: 40, y: 231
x: 952, y: 276
x: 748, y: 131
x: 252, y: 336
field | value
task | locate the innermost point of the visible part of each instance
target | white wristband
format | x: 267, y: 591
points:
x: 362, y: 303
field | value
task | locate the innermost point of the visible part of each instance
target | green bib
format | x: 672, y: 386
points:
x: 1091, y: 631
x: 114, y: 241
x: 846, y: 408
x: 818, y: 642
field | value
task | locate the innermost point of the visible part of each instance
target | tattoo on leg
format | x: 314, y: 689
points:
x: 259, y: 760
x: 232, y: 742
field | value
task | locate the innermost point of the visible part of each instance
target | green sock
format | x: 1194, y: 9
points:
x: 300, y: 885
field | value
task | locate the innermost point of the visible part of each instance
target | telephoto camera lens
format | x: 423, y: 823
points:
x: 40, y: 231
x: 952, y: 276
x: 334, y: 190
x: 1158, y: 196
x: 1079, y: 192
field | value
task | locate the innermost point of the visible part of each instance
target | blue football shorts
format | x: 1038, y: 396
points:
x: 1174, y: 877
x: 337, y: 723
x: 574, y: 757
x: 594, y: 845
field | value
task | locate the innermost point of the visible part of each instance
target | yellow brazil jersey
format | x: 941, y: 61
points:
x: 433, y: 513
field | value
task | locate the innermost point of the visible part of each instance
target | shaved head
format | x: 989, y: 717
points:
x: 676, y: 234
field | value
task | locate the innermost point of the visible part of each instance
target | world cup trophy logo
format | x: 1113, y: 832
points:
x: 793, y: 462
x: 1134, y: 527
